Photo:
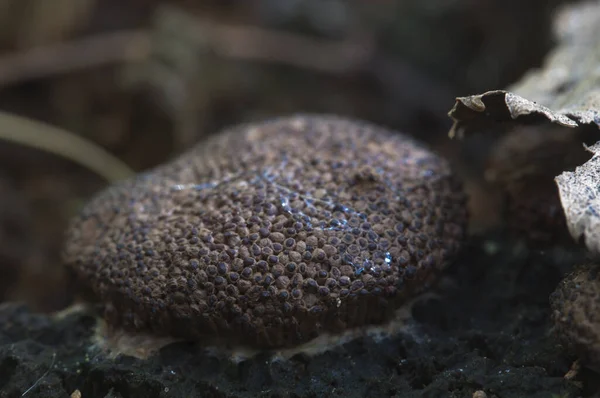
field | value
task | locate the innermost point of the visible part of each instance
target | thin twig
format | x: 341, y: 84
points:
x: 238, y: 42
x: 259, y: 44
x: 251, y: 43
x: 105, y: 49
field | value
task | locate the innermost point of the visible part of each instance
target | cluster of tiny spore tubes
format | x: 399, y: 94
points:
x: 340, y: 213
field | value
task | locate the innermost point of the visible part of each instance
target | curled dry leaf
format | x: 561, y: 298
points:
x: 482, y: 111
x: 543, y: 121
x: 580, y: 199
x: 564, y: 91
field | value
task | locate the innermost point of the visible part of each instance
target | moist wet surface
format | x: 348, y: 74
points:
x: 487, y: 330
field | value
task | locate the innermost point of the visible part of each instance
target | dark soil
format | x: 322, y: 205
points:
x: 488, y: 330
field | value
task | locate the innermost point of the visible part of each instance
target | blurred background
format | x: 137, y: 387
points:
x: 145, y: 79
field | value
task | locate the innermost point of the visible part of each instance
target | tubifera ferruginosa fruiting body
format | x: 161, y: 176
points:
x: 269, y: 234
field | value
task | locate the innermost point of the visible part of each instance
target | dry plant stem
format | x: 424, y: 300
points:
x: 65, y: 57
x: 294, y: 50
x: 248, y: 43
x: 60, y: 142
x: 254, y: 43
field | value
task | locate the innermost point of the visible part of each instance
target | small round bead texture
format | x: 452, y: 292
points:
x: 271, y: 233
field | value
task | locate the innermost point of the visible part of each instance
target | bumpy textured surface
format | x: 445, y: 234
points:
x: 576, y: 310
x: 268, y: 234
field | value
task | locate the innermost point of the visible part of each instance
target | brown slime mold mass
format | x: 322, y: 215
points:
x: 270, y: 234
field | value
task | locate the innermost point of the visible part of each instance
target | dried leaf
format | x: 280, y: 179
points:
x: 580, y: 198
x: 545, y: 118
x: 565, y: 91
